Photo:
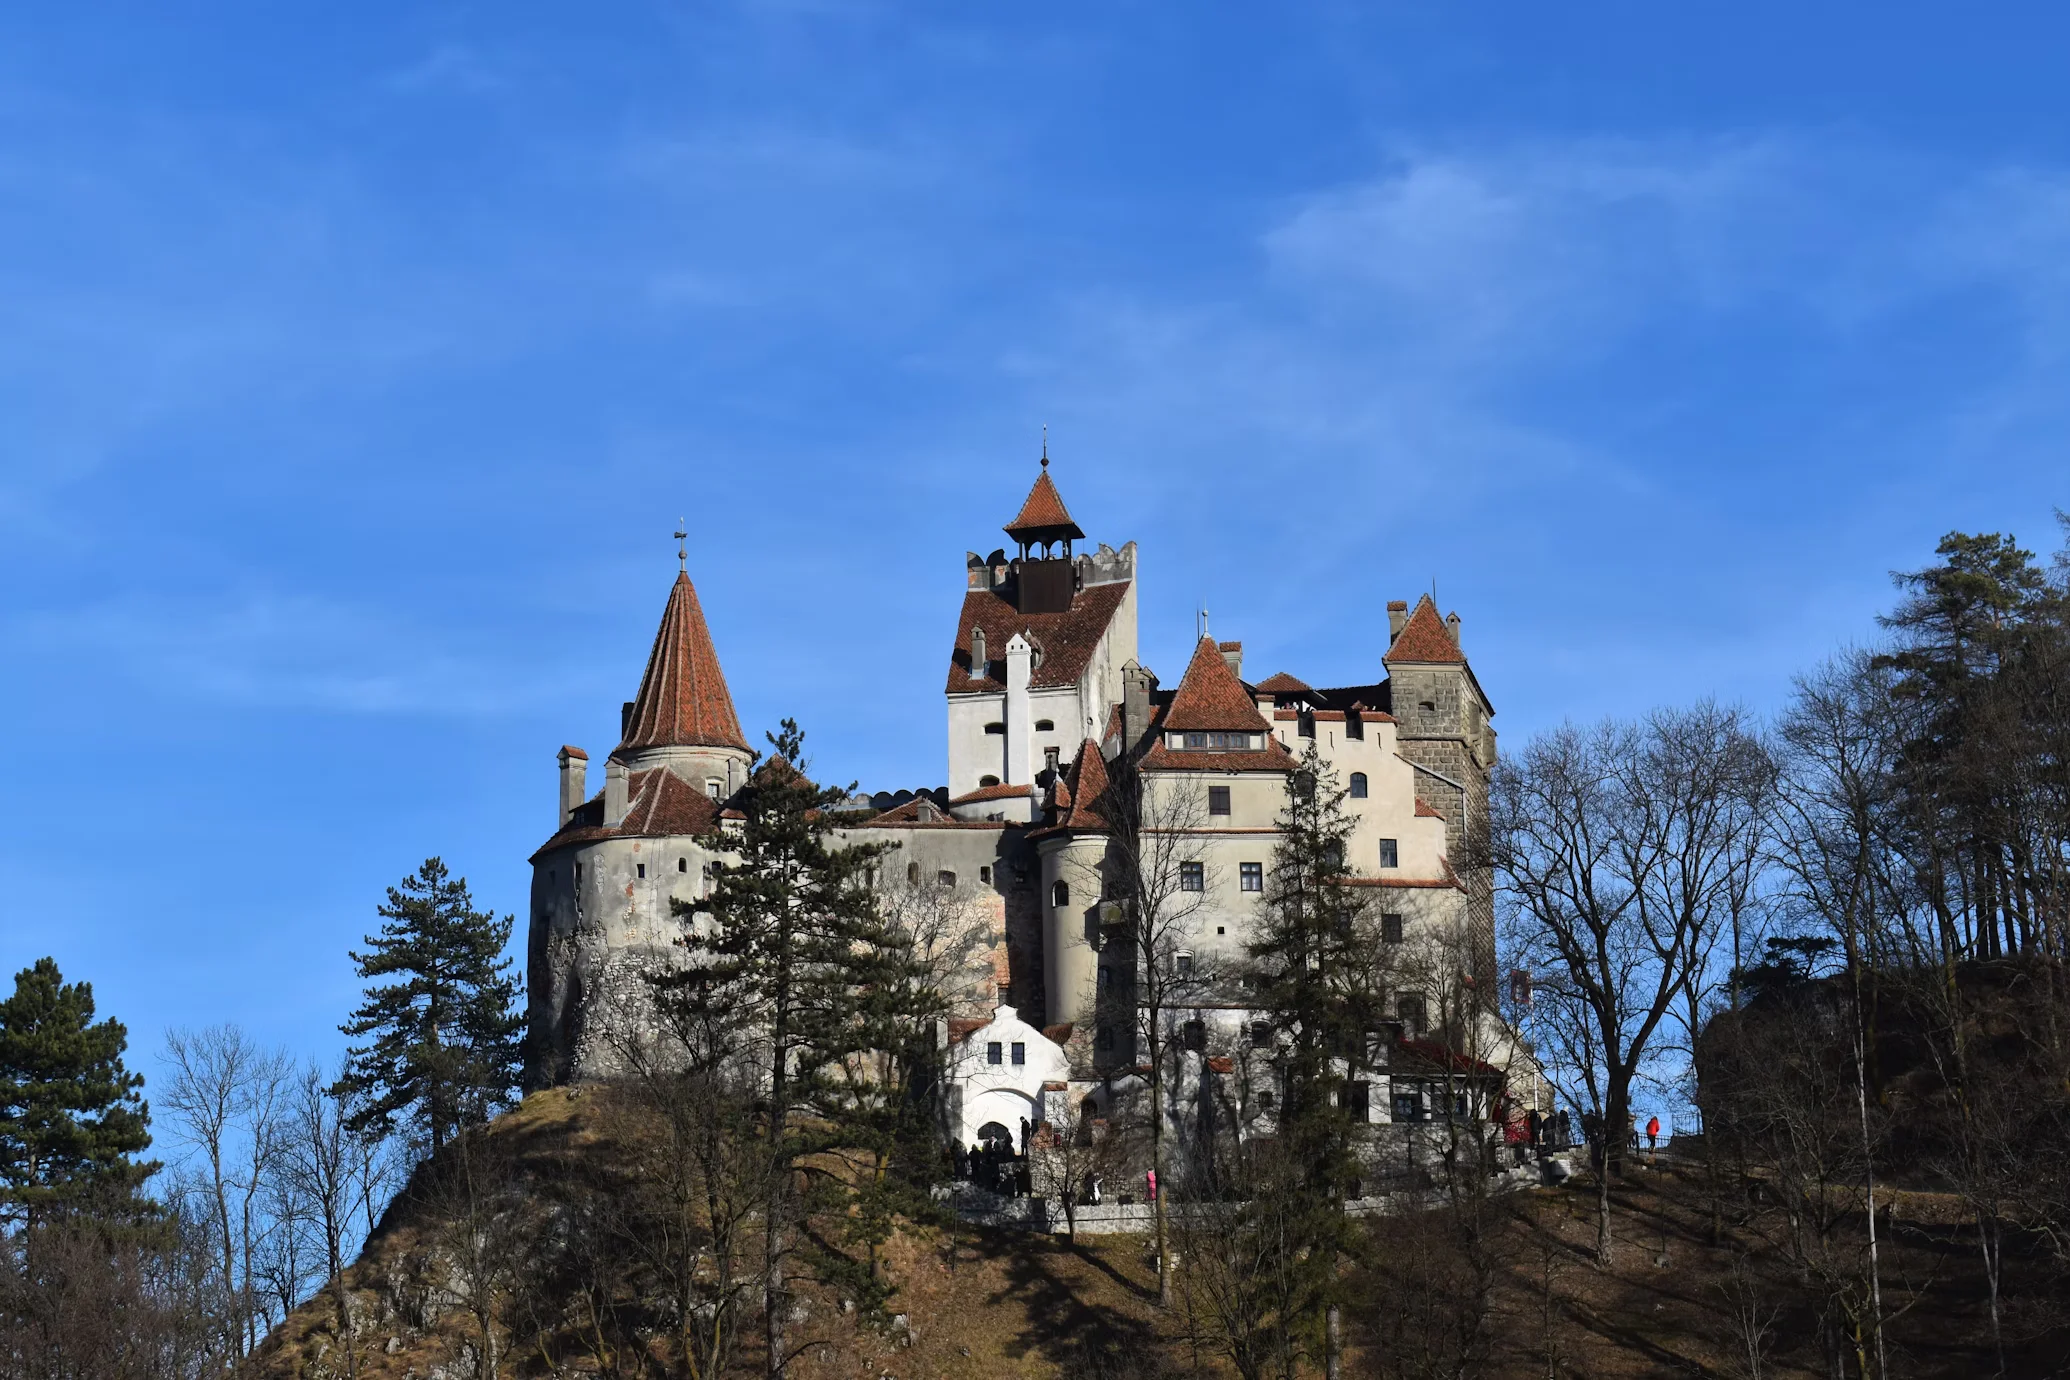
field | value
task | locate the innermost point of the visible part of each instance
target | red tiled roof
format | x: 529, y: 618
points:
x: 1438, y: 1056
x: 659, y: 804
x: 570, y: 750
x: 1211, y: 697
x: 993, y: 793
x: 1044, y: 508
x: 1273, y: 758
x: 1088, y: 787
x: 1057, y: 1034
x: 1405, y: 883
x: 1423, y: 810
x: 1067, y: 639
x: 963, y: 1027
x: 1280, y: 683
x: 683, y: 700
x: 1424, y: 638
x: 1220, y: 1063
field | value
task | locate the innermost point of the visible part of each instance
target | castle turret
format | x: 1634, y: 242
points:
x: 683, y: 717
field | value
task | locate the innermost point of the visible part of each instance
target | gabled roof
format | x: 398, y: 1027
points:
x: 1211, y: 697
x: 683, y: 701
x: 1043, y: 512
x: 1003, y: 792
x: 1068, y: 639
x: 1280, y: 683
x: 1425, y: 638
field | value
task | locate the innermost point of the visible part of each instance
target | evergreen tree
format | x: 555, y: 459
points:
x: 441, y: 1008
x: 71, y: 1115
x: 825, y: 1001
x: 1313, y: 977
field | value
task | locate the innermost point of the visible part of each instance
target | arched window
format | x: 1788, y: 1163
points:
x: 984, y: 781
x: 995, y: 727
x: 945, y: 877
x: 1060, y: 894
x: 1358, y: 785
x: 1045, y: 726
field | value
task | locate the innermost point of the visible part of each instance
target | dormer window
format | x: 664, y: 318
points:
x: 1217, y: 742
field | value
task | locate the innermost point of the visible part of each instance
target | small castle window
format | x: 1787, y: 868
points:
x: 641, y: 870
x: 1045, y: 726
x: 985, y: 875
x: 1409, y: 1007
x: 1182, y: 964
x: 1020, y: 1053
x: 578, y: 872
x: 995, y: 727
x: 912, y: 874
x: 1253, y: 876
x: 1196, y: 1035
x: 682, y: 864
x: 1218, y: 800
x: 712, y: 786
x: 1264, y: 1101
x: 1192, y: 876
x: 1358, y: 785
x: 1354, y: 724
x: 1390, y: 853
x: 1261, y: 1034
x: 986, y: 781
x: 945, y: 877
x: 1427, y: 706
x: 1060, y: 894
x: 994, y: 1053
x: 1304, y: 724
x: 1390, y: 929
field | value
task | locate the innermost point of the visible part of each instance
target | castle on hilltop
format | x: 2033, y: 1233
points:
x: 1048, y: 707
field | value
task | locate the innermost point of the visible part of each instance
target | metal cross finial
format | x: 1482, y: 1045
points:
x: 682, y: 550
x: 1045, y: 445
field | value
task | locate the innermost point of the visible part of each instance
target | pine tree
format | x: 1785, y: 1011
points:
x: 819, y: 989
x: 71, y: 1115
x: 1314, y: 982
x: 446, y: 1043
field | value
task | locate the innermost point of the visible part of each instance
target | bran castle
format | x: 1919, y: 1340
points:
x: 1046, y: 700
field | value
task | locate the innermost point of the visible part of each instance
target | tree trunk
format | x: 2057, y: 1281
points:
x: 1164, y: 1263
x: 1333, y: 1343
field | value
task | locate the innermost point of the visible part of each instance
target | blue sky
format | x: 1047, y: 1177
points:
x: 356, y: 363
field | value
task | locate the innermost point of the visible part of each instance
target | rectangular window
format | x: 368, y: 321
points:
x: 945, y: 877
x: 1218, y: 800
x: 985, y: 875
x: 1358, y: 1100
x: 1020, y: 1053
x: 1196, y: 1033
x: 1196, y: 740
x: 1390, y: 929
x: 1408, y: 1107
x: 1409, y: 1007
x: 1390, y: 855
x: 682, y: 864
x: 1253, y: 875
x: 1192, y: 876
x: 1182, y: 964
x: 994, y: 1053
x: 1261, y: 1034
x: 641, y: 869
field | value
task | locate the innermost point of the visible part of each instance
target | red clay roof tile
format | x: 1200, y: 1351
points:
x: 1068, y: 639
x: 1280, y: 683
x: 1423, y: 810
x: 1211, y: 697
x: 1424, y: 638
x: 683, y: 700
x: 1043, y: 510
x: 1088, y: 786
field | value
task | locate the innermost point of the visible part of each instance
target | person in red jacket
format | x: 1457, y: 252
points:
x: 1652, y: 1133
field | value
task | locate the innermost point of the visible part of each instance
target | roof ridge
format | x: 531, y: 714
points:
x: 1424, y: 638
x: 1210, y: 695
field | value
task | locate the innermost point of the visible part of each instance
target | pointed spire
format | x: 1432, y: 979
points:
x: 1424, y: 638
x: 1043, y: 517
x: 683, y: 701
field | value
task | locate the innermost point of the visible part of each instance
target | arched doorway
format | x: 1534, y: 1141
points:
x: 996, y: 1137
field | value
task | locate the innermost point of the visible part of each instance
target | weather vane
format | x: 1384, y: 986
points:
x: 1045, y: 445
x: 682, y: 551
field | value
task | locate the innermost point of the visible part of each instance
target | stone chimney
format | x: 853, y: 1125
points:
x: 978, y: 660
x: 1397, y: 615
x: 1452, y: 626
x: 574, y: 790
x: 1020, y: 759
x: 1232, y: 656
x: 617, y: 782
x: 1136, y: 685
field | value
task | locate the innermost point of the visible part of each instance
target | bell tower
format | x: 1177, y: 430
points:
x: 1043, y: 573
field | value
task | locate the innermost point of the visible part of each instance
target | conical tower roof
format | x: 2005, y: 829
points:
x: 683, y: 701
x: 1043, y: 517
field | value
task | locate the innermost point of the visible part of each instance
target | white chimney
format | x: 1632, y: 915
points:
x: 1020, y: 758
x: 616, y: 782
x: 1452, y: 626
